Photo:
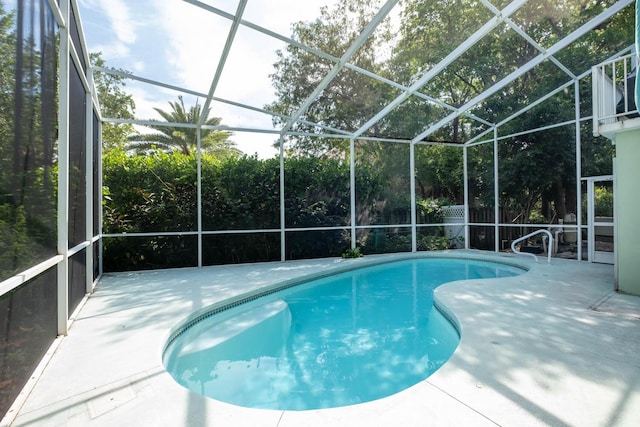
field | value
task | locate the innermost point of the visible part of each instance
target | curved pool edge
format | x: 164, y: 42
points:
x: 344, y: 265
x: 129, y: 363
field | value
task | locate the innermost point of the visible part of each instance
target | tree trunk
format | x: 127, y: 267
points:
x: 560, y: 199
x: 18, y: 107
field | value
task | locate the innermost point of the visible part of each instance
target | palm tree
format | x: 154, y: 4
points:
x: 184, y: 139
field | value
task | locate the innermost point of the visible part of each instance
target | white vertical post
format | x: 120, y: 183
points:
x: 615, y: 226
x: 496, y: 191
x: 576, y: 91
x: 63, y: 174
x: 625, y: 84
x: 352, y: 190
x: 614, y: 79
x: 412, y: 177
x: 99, y: 166
x: 283, y: 253
x: 591, y: 231
x: 465, y: 177
x: 199, y: 191
x: 89, y: 184
x: 595, y: 97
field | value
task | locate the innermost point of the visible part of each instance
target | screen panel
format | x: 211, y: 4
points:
x: 29, y: 320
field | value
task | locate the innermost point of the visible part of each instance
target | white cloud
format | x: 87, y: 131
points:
x: 111, y: 50
x: 145, y: 102
x: 138, y: 66
x: 278, y: 15
x: 118, y: 14
x: 256, y: 143
x: 196, y: 38
x: 113, y: 22
x: 181, y: 44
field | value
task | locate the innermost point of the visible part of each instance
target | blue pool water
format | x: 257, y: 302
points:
x: 340, y: 340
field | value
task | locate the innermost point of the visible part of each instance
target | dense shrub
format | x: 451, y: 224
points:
x: 158, y: 193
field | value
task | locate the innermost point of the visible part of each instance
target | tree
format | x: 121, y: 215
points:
x: 184, y: 139
x: 351, y: 98
x: 537, y: 170
x: 440, y: 173
x: 28, y: 82
x: 430, y: 31
x: 114, y: 103
x: 7, y: 90
x: 28, y: 133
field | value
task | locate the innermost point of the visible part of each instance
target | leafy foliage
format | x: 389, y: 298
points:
x: 352, y: 253
x: 28, y: 220
x: 536, y: 177
x: 158, y: 193
x: 27, y: 136
x: 351, y: 98
x: 115, y: 102
x: 536, y: 171
x: 603, y: 201
x: 184, y: 139
x: 429, y: 32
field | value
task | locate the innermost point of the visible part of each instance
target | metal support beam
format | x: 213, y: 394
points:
x: 359, y: 41
x: 496, y: 191
x: 352, y: 191
x: 444, y: 63
x: 283, y: 253
x: 412, y: 177
x: 57, y: 13
x: 83, y: 44
x: 88, y: 205
x: 578, y: 170
x: 223, y: 59
x: 199, y: 191
x: 465, y: 177
x: 575, y: 35
x: 100, y: 209
x: 63, y: 173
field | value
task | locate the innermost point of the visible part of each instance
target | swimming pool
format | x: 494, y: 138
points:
x: 352, y: 337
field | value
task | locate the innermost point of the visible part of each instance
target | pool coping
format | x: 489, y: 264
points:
x: 92, y: 382
x: 238, y: 300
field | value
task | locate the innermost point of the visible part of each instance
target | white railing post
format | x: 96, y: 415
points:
x: 547, y: 232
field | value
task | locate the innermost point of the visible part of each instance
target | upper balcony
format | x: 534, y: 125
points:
x: 614, y: 106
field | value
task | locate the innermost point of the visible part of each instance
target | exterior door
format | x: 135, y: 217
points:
x: 600, y: 219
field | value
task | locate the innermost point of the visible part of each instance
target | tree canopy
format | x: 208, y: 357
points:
x: 351, y: 98
x: 532, y: 167
x: 115, y: 102
x: 185, y: 139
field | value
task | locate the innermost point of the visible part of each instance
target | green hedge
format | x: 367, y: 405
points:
x: 158, y: 193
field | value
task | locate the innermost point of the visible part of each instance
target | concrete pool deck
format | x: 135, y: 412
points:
x: 553, y: 346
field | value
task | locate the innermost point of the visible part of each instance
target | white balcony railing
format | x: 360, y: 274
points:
x: 614, y: 92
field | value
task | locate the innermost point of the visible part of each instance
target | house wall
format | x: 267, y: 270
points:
x: 628, y: 211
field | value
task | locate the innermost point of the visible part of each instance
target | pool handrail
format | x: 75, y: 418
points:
x: 520, y: 239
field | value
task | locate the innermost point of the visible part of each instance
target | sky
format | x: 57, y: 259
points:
x: 179, y: 44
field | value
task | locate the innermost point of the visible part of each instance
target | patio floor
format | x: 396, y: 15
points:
x: 554, y: 346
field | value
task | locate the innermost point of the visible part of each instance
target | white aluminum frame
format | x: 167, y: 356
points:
x: 69, y: 52
x: 63, y: 171
x: 591, y: 221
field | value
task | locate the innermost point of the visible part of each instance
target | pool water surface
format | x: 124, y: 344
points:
x: 340, y: 340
